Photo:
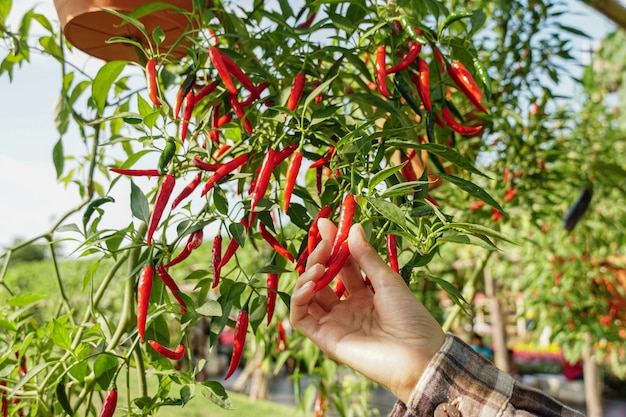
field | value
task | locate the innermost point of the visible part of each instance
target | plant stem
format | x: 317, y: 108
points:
x: 57, y: 273
x: 469, y: 289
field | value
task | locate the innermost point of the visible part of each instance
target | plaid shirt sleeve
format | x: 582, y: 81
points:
x: 462, y: 377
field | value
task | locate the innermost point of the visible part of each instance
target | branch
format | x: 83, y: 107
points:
x: 612, y: 9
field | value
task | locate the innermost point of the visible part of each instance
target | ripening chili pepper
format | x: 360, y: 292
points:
x: 205, y: 166
x: 109, y: 404
x: 309, y: 20
x: 381, y: 70
x: 144, y: 289
x: 392, y: 251
x: 318, y: 408
x: 297, y: 87
x: 194, y: 242
x: 458, y: 127
x: 464, y: 80
x: 411, y: 56
x: 422, y: 83
x: 216, y: 259
x: 238, y: 73
x: 240, y: 112
x: 313, y: 237
x: 269, y: 238
x: 318, y: 179
x: 186, y: 192
x: 241, y: 329
x: 182, y: 92
x: 223, y: 171
x: 163, y: 195
x: 281, y: 343
x: 169, y: 282
x: 217, y: 58
x: 265, y: 174
x: 334, y: 267
x: 318, y: 98
x: 168, y: 353
x: 188, y: 105
x: 346, y: 215
x: 272, y: 290
x: 232, y: 247
x: 290, y: 180
x: 205, y: 91
x: 137, y: 172
x: 151, y: 80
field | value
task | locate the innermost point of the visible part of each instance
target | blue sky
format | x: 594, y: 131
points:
x: 31, y: 198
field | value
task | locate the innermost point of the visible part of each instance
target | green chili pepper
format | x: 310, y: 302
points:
x: 166, y: 156
x: 406, y: 93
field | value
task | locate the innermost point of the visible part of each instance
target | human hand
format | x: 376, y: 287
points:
x: 388, y: 335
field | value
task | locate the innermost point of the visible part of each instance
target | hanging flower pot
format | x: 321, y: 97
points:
x: 88, y: 26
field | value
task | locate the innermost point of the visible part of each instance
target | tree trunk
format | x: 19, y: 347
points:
x: 593, y: 383
x: 497, y: 323
x: 611, y: 9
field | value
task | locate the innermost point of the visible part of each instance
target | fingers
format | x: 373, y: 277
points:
x: 368, y: 259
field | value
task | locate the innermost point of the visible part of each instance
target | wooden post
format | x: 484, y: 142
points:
x: 593, y: 382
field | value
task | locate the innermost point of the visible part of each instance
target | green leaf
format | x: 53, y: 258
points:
x: 382, y: 175
x: 104, y: 369
x: 477, y: 230
x: 450, y: 289
x: 473, y: 190
x: 210, y: 309
x: 139, y: 203
x: 24, y: 299
x: 58, y: 157
x: 216, y: 392
x: 60, y: 335
x: 388, y: 210
x: 452, y: 156
x: 5, y: 8
x: 105, y: 78
x: 238, y: 232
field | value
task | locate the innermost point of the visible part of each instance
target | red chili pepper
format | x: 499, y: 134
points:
x: 281, y: 343
x: 292, y: 175
x: 217, y: 58
x: 232, y: 247
x: 240, y: 112
x: 314, y: 232
x: 476, y: 205
x: 272, y: 289
x: 340, y: 289
x: 216, y: 259
x: 318, y: 98
x: 346, y: 215
x: 324, y: 159
x: 432, y: 200
x: 238, y: 73
x: 205, y: 166
x: 144, y: 289
x: 188, y: 105
x: 169, y: 282
x: 439, y: 57
x: 464, y: 80
x: 163, y: 195
x: 137, y: 172
x: 168, y: 353
x: 300, y: 264
x: 392, y: 252
x: 221, y: 151
x: 5, y: 401
x: 319, y: 408
x: 309, y: 20
x: 456, y: 126
x: 269, y: 238
x: 510, y: 194
x: 223, y: 171
x: 422, y: 83
x: 153, y: 86
x: 496, y: 214
x: 265, y: 174
x: 411, y: 56
x: 109, y: 404
x: 214, y: 133
x: 193, y: 243
x: 381, y: 70
x: 182, y: 92
x: 297, y: 87
x: 241, y: 329
x: 206, y: 90
x: 334, y: 267
x: 186, y: 192
x: 284, y: 153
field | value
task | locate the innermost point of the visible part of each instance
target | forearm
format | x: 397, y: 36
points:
x: 461, y: 377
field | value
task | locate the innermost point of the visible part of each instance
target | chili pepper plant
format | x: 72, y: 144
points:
x: 370, y: 112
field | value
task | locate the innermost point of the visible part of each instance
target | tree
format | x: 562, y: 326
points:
x: 459, y: 148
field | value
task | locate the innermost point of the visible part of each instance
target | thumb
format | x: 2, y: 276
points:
x: 376, y: 269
